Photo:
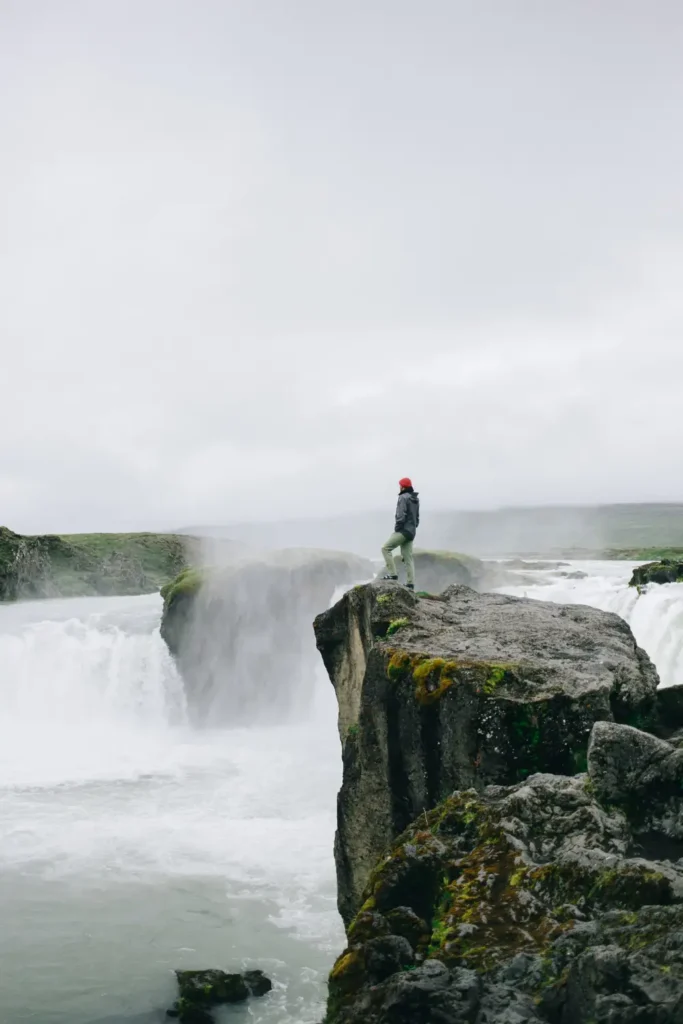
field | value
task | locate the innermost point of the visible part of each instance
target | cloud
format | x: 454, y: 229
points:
x: 262, y: 267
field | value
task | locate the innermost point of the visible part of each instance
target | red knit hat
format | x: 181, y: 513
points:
x: 405, y: 482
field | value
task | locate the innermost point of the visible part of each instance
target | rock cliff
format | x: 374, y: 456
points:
x: 449, y: 693
x: 509, y: 847
x: 558, y: 900
x: 89, y: 564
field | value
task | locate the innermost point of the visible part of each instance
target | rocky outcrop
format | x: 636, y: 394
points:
x: 556, y: 900
x: 668, y: 570
x: 457, y: 692
x: 241, y: 634
x: 89, y: 564
x: 201, y: 991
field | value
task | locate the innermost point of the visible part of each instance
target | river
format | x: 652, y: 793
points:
x: 132, y: 844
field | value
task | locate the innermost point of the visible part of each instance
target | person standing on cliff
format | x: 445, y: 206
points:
x: 405, y: 528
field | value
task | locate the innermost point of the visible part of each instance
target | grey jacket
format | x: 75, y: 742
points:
x: 407, y: 514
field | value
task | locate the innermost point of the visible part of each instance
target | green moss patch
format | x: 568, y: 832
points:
x: 433, y: 677
x: 667, y: 570
x: 187, y: 582
x: 396, y: 625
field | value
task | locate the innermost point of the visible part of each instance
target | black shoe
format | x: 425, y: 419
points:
x: 410, y: 586
x: 394, y: 578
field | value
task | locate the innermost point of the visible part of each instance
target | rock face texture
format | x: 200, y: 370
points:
x: 89, y: 564
x: 668, y: 570
x: 556, y: 900
x: 241, y: 635
x: 201, y: 991
x: 457, y: 692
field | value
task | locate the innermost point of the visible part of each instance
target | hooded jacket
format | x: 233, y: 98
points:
x: 407, y: 514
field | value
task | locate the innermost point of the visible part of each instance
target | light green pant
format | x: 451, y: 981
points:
x: 397, y: 540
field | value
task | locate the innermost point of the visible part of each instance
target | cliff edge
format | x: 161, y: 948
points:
x: 459, y: 691
x: 510, y: 837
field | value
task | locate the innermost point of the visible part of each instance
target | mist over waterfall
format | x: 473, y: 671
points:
x: 244, y: 642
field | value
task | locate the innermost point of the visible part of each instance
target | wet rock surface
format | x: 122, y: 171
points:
x: 461, y: 691
x: 529, y: 903
x: 201, y: 991
x: 668, y: 570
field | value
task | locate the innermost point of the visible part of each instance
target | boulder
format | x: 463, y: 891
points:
x: 668, y: 570
x: 200, y: 991
x: 241, y: 635
x: 461, y: 691
x: 538, y: 900
x: 644, y: 776
x: 670, y: 705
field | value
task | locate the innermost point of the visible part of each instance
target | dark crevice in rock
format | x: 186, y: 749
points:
x: 402, y: 811
x: 657, y: 846
x: 430, y: 730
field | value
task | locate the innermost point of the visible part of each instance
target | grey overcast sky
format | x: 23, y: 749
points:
x: 260, y: 258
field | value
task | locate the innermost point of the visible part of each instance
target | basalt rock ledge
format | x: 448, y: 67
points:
x: 460, y: 691
x: 555, y: 901
x: 509, y: 845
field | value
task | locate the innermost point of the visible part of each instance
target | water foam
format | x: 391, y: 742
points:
x: 138, y: 843
x: 86, y: 691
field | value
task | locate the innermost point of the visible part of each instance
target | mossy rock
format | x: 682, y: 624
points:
x: 667, y: 570
x: 179, y: 596
x: 499, y: 875
x: 200, y: 991
x: 186, y: 584
x: 74, y: 565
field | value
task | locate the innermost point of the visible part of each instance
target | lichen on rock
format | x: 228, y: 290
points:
x: 528, y: 903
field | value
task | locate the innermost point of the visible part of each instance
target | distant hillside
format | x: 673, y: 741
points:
x: 90, y: 563
x: 551, y: 531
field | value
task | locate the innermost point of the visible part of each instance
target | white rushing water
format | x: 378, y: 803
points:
x: 132, y: 844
